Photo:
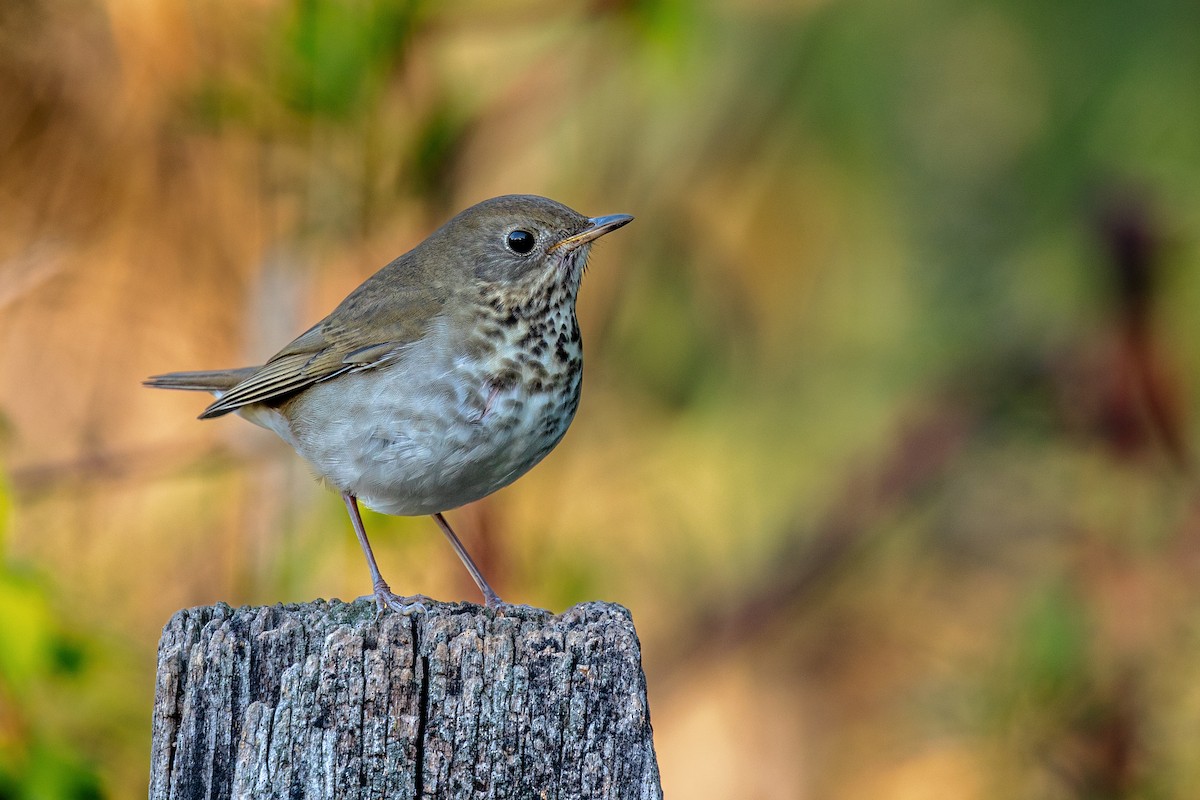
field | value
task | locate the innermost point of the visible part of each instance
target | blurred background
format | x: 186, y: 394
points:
x: 888, y: 436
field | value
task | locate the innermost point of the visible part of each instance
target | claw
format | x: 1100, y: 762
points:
x: 499, y: 606
x: 403, y: 605
x: 386, y: 600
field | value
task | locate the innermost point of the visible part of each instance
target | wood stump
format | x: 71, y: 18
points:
x: 323, y: 700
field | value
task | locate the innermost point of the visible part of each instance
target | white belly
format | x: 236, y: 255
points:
x: 412, y: 440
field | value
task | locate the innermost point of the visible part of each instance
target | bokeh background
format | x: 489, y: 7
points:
x: 890, y: 418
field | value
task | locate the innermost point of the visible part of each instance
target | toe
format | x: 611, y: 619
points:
x: 403, y: 605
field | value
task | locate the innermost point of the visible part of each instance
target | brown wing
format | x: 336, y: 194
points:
x: 372, y: 326
x: 214, y: 380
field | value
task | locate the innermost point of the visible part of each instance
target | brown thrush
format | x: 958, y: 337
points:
x: 445, y: 376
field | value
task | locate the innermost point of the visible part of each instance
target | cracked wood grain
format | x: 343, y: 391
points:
x: 322, y: 700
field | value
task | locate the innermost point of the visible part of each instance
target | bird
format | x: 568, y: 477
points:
x: 442, y: 378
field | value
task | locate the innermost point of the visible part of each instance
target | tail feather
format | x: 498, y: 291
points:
x: 217, y: 381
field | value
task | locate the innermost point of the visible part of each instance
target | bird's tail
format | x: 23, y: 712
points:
x: 217, y: 381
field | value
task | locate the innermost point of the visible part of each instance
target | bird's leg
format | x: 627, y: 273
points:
x: 490, y: 598
x: 384, y: 598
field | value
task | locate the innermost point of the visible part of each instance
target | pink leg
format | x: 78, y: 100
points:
x: 490, y: 598
x: 384, y: 598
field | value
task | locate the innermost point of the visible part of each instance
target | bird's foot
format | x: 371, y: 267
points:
x: 492, y: 600
x: 386, y: 600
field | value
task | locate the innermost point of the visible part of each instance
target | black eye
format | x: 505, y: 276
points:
x: 520, y: 242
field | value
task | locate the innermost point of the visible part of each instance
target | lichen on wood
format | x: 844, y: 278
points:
x: 324, y: 700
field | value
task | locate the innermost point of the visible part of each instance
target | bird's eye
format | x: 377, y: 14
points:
x: 520, y: 242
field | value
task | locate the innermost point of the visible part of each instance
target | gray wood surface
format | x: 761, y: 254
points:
x: 322, y: 700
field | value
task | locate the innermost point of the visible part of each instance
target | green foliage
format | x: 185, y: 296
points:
x: 334, y: 56
x: 41, y: 662
x: 1051, y: 655
x: 669, y: 342
x: 428, y: 164
x: 47, y: 771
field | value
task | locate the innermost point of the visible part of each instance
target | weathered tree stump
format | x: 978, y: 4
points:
x: 324, y: 701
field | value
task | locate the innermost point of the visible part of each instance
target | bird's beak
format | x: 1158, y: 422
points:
x: 597, y: 227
